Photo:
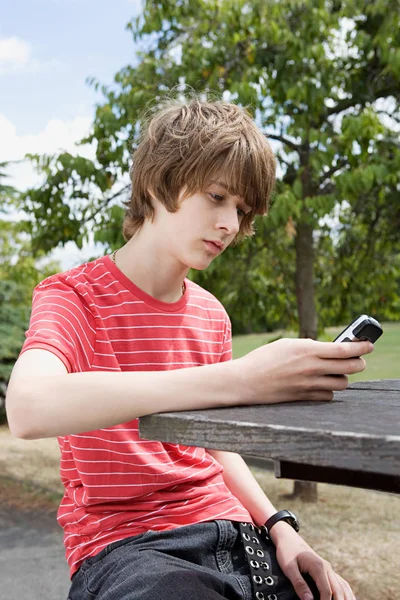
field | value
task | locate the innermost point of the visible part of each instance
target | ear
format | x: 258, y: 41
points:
x: 151, y: 194
x: 157, y: 206
x: 183, y: 194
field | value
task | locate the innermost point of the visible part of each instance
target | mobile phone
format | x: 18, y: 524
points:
x: 362, y: 328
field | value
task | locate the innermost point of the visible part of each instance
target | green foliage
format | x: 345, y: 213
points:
x: 255, y: 281
x: 19, y: 274
x: 14, y: 318
x: 320, y: 78
x: 74, y: 193
x: 6, y: 191
x: 364, y: 265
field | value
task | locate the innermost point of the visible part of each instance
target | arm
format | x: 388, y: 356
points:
x: 294, y: 555
x: 43, y: 400
x: 242, y: 483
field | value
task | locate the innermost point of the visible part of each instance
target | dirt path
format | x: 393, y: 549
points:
x: 32, y: 561
x: 33, y: 461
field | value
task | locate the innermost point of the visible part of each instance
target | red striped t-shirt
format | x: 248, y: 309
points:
x: 117, y: 485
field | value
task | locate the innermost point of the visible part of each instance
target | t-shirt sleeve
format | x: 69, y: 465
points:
x: 226, y: 352
x: 62, y: 324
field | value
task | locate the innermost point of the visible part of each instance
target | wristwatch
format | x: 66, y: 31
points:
x: 282, y: 515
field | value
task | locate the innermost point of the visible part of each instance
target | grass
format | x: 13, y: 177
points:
x: 357, y: 531
x: 383, y: 363
x: 27, y: 496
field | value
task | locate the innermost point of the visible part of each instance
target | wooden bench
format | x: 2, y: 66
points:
x: 354, y: 440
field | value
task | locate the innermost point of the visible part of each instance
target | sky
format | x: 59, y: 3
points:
x: 48, y: 49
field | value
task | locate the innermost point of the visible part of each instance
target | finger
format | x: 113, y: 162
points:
x: 300, y: 586
x: 343, y: 349
x: 338, y: 592
x: 318, y: 395
x: 336, y: 384
x: 348, y: 592
x: 345, y: 366
x: 340, y: 588
x: 320, y: 576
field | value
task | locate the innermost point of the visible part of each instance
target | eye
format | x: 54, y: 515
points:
x: 241, y: 213
x: 216, y: 197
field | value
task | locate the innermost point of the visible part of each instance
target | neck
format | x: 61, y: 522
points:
x: 148, y: 266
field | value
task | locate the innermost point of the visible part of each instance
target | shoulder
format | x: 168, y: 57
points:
x: 77, y: 280
x: 71, y: 292
x: 204, y: 299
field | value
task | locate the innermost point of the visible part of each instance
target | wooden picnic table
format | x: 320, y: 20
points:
x: 353, y: 440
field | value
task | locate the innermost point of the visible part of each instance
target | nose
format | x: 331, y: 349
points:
x: 228, y: 221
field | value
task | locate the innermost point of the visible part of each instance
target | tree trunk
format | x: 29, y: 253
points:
x: 308, y: 321
x: 305, y: 292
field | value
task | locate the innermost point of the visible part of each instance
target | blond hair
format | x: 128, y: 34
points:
x: 189, y: 144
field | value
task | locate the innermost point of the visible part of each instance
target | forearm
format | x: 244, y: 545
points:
x: 47, y: 406
x: 242, y: 483
x: 244, y: 486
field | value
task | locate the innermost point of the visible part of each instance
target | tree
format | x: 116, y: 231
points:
x: 314, y: 74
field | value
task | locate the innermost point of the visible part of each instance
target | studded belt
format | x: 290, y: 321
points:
x: 257, y: 547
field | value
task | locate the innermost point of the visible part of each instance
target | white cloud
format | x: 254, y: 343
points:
x: 16, y: 55
x: 57, y: 135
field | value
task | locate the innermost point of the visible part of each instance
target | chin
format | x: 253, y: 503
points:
x: 199, y: 264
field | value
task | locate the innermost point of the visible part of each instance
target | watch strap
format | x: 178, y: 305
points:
x: 282, y: 515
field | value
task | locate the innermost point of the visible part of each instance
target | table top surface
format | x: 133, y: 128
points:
x: 359, y: 430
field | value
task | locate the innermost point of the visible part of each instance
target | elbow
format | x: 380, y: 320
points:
x: 19, y: 419
x: 17, y: 422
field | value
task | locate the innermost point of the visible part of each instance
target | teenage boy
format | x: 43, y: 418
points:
x: 124, y: 336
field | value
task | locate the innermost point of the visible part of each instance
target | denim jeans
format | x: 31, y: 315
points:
x: 205, y: 561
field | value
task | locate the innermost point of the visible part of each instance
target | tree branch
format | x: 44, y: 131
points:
x: 285, y: 162
x: 341, y: 163
x: 121, y: 191
x: 349, y: 102
x: 105, y: 201
x: 284, y: 140
x: 329, y: 188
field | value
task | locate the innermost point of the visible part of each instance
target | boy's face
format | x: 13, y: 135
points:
x: 203, y: 226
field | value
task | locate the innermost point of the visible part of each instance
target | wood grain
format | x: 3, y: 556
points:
x: 359, y: 430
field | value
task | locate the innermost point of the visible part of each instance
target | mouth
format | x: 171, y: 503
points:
x: 214, y: 247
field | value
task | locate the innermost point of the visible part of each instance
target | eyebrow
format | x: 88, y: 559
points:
x: 222, y: 184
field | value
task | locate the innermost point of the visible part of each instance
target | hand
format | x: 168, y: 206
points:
x: 299, y: 369
x: 295, y: 557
